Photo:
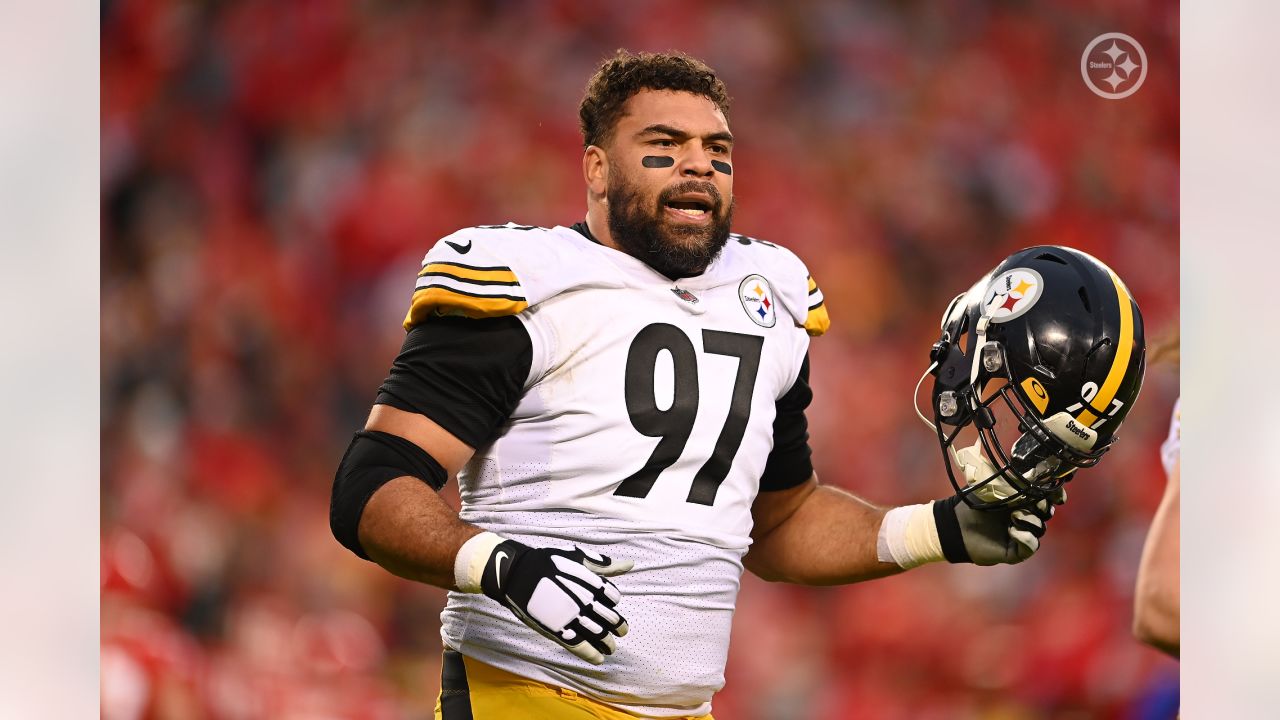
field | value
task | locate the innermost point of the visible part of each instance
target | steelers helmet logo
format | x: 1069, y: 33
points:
x: 1012, y: 293
x: 758, y: 300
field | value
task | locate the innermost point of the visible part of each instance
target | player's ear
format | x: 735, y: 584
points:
x: 595, y: 170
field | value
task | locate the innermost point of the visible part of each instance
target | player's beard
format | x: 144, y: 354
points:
x: 643, y: 231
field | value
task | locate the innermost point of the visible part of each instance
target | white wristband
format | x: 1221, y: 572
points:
x: 468, y: 566
x: 909, y: 537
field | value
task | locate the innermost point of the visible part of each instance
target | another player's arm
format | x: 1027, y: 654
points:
x: 816, y: 534
x: 1156, y: 598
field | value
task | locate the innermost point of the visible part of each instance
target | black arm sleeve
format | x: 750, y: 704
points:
x: 467, y: 375
x: 789, y: 463
x: 372, y: 460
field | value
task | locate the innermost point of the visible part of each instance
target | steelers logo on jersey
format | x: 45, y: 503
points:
x: 1012, y: 293
x: 758, y: 300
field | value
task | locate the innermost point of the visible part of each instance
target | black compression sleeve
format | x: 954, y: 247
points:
x: 790, y: 461
x: 372, y: 460
x: 467, y: 375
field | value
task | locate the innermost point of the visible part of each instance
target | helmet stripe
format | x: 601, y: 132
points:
x: 1102, y: 401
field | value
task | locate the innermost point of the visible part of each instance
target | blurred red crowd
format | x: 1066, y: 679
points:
x: 272, y: 173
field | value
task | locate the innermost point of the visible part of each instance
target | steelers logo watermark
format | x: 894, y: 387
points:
x: 1012, y: 293
x: 1114, y: 66
x: 758, y: 300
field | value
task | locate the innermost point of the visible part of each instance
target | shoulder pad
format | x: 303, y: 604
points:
x: 797, y: 290
x: 496, y: 270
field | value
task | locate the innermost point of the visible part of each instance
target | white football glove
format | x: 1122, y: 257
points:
x: 562, y: 594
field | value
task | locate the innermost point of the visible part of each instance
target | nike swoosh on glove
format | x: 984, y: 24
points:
x: 990, y: 537
x: 563, y: 594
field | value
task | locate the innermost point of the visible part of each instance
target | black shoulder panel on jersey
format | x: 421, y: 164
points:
x: 790, y: 461
x: 465, y: 374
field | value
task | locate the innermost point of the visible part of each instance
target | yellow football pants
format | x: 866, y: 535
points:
x: 472, y: 690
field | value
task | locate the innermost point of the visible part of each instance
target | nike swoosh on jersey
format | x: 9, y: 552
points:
x: 497, y: 567
x: 462, y: 249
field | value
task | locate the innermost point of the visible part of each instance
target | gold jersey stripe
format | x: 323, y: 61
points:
x: 1124, y: 350
x: 817, y: 322
x: 466, y: 272
x: 436, y: 300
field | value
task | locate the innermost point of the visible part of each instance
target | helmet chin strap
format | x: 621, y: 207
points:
x: 915, y: 397
x: 980, y: 340
x: 980, y: 330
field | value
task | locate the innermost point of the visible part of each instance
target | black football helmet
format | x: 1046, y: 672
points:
x: 1054, y: 335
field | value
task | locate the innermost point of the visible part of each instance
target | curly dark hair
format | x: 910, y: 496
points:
x: 626, y: 74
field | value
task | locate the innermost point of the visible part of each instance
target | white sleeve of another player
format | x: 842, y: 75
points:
x: 1171, y: 449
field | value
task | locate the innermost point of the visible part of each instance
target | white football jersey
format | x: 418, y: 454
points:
x: 643, y: 432
x: 1171, y: 448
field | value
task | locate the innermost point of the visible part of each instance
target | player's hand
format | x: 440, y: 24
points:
x: 951, y: 530
x: 562, y: 594
x: 990, y: 537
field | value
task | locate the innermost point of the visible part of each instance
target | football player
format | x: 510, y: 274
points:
x: 623, y: 403
x: 1156, y: 595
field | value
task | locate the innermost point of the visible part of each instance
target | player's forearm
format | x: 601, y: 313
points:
x: 1156, y: 616
x: 830, y: 539
x: 1156, y: 597
x: 1156, y: 624
x: 407, y: 529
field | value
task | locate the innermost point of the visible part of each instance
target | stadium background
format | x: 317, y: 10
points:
x: 272, y: 173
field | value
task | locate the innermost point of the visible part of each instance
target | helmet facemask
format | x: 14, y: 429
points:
x: 980, y: 396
